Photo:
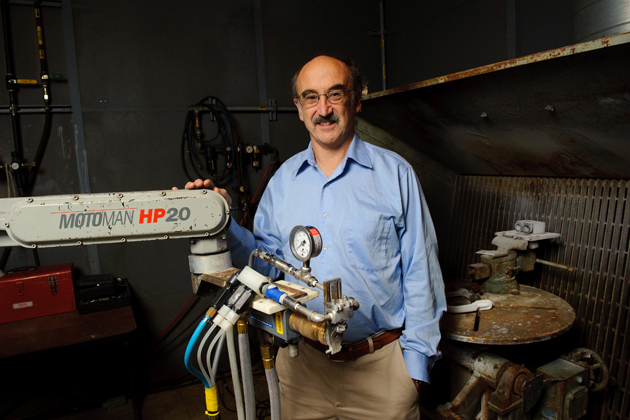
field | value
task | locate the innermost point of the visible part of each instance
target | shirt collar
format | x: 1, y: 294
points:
x: 357, y: 152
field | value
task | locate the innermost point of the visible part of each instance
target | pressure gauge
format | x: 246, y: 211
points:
x: 305, y: 242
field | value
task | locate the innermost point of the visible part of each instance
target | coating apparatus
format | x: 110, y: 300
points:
x: 201, y: 216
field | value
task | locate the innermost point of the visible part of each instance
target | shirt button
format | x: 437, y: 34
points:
x: 325, y: 248
x: 325, y: 214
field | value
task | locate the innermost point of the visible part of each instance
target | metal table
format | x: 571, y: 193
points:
x: 532, y: 316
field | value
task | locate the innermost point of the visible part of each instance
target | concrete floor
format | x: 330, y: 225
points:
x: 185, y: 403
x: 180, y: 404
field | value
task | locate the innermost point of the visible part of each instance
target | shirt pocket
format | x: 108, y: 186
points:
x: 371, y: 244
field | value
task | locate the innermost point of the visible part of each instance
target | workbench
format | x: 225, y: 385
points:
x: 42, y: 354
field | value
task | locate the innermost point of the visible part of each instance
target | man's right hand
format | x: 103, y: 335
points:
x: 209, y: 185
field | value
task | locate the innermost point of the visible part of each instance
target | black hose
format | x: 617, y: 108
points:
x: 43, y: 142
x: 41, y: 149
x: 192, y: 142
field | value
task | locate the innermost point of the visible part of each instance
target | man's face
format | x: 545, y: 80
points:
x: 330, y: 125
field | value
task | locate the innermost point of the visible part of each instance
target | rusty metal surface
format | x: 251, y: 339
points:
x: 593, y: 217
x: 564, y: 112
x: 532, y: 316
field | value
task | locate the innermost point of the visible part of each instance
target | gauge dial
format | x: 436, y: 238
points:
x: 305, y: 242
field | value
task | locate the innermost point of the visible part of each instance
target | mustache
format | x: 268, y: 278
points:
x: 330, y: 118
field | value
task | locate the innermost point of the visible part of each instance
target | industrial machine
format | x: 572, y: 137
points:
x: 489, y: 386
x: 245, y: 296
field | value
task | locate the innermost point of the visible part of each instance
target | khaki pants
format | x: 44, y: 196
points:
x: 375, y: 386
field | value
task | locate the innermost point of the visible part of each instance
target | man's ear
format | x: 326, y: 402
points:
x: 299, y: 107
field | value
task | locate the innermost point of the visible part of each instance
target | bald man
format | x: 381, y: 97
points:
x: 378, y: 238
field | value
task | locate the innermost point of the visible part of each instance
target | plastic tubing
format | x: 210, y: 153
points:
x: 229, y: 335
x: 217, y: 355
x: 200, y: 354
x: 248, y: 378
x: 189, y: 350
x: 220, y: 336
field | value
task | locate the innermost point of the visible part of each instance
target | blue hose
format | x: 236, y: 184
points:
x: 191, y: 345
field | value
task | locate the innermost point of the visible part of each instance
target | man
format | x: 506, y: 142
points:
x: 378, y: 238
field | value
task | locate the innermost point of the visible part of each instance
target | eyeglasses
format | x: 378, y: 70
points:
x: 334, y: 96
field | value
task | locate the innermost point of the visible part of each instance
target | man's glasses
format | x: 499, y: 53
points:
x: 334, y: 96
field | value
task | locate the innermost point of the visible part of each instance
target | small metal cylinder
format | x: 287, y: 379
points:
x: 308, y: 329
x: 267, y: 356
x: 241, y: 325
x: 293, y: 350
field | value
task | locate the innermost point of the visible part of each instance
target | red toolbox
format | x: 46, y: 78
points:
x: 37, y: 292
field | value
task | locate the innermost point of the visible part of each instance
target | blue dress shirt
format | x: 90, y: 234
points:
x: 378, y: 238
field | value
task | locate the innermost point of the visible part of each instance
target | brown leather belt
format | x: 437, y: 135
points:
x: 352, y: 351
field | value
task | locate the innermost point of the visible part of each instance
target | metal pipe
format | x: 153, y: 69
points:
x: 72, y: 70
x: 42, y: 53
x: 303, y: 274
x: 31, y: 109
x: 261, y: 109
x: 311, y: 314
x: 510, y: 19
x: 43, y: 142
x: 262, y: 71
x: 382, y: 32
x: 553, y: 264
x: 50, y: 3
x: 12, y: 87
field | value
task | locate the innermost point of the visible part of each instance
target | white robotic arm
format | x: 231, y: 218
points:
x: 52, y: 221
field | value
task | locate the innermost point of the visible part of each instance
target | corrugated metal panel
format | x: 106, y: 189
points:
x: 593, y: 217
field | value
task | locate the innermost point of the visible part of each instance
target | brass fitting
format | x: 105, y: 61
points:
x: 241, y: 326
x: 267, y: 356
x: 308, y: 329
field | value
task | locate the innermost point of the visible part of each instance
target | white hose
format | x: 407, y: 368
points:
x: 274, y: 392
x: 219, y: 336
x: 200, y: 352
x: 248, y: 378
x: 234, y: 367
x: 217, y: 356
